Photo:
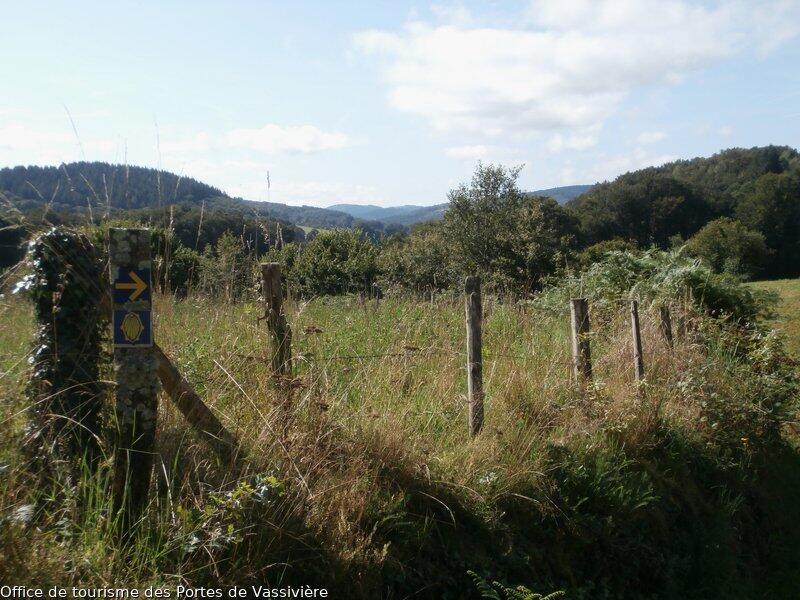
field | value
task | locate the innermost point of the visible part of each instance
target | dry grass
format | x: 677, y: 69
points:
x: 369, y: 441
x: 788, y: 309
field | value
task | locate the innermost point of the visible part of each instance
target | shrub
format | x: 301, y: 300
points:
x: 336, y: 262
x: 508, y: 238
x: 419, y: 261
x: 657, y: 276
x: 730, y: 247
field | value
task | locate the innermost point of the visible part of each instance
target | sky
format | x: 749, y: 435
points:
x: 389, y: 102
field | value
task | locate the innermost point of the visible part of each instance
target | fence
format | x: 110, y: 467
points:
x: 142, y: 367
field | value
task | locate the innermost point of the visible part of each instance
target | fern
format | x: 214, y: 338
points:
x: 497, y: 591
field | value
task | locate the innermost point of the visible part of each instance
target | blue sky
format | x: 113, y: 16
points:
x: 392, y: 102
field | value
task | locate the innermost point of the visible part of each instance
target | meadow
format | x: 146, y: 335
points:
x: 360, y: 475
x: 787, y: 310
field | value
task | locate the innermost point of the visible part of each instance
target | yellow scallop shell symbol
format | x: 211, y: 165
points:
x: 132, y: 327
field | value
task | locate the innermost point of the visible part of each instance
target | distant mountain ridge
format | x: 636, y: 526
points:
x: 409, y: 214
x: 99, y: 186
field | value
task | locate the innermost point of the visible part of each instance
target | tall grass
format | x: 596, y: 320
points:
x: 361, y: 475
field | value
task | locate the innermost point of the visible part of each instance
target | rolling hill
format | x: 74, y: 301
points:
x: 98, y: 186
x: 409, y: 214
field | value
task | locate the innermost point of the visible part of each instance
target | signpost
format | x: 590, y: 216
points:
x: 132, y: 322
x: 135, y: 371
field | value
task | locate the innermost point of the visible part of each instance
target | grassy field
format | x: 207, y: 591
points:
x: 361, y: 476
x: 788, y: 309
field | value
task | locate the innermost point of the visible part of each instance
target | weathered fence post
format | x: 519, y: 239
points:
x: 638, y: 360
x: 135, y: 371
x: 472, y: 291
x: 665, y: 324
x: 581, y: 351
x: 194, y: 409
x: 276, y: 319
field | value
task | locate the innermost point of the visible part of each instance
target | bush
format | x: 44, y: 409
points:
x: 336, y: 262
x: 730, y: 247
x: 661, y: 277
x: 597, y: 252
x: 419, y: 261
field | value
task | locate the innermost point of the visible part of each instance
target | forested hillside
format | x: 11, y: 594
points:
x: 98, y: 186
x: 758, y: 188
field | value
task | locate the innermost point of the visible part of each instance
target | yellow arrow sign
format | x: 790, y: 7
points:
x: 136, y: 284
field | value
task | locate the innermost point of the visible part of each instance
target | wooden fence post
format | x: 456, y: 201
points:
x: 638, y: 360
x: 135, y: 371
x: 194, y: 409
x: 665, y: 324
x: 279, y: 329
x: 581, y: 351
x: 472, y: 291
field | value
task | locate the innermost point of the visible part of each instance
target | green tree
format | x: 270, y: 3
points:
x: 227, y: 271
x: 772, y: 207
x: 420, y: 261
x: 730, y: 247
x: 513, y: 241
x: 336, y: 262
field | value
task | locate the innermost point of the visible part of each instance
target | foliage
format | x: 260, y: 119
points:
x: 771, y: 206
x: 97, y: 189
x: 657, y: 277
x: 228, y: 271
x: 497, y: 591
x: 647, y: 207
x: 418, y: 261
x: 335, y: 262
x: 596, y: 252
x: 730, y: 247
x: 65, y: 284
x: 512, y: 241
x: 101, y: 186
x: 758, y: 186
x: 12, y: 239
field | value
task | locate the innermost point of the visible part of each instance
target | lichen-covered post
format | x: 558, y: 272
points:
x: 65, y: 284
x: 474, y: 313
x: 636, y: 334
x: 135, y: 371
x: 665, y: 325
x: 276, y: 319
x: 581, y: 350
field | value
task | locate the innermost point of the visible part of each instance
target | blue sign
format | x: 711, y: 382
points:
x: 131, y: 285
x: 133, y: 328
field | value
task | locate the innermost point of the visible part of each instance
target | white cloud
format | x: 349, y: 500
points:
x: 269, y: 139
x: 609, y: 167
x: 273, y: 139
x: 22, y: 144
x: 200, y: 142
x: 570, y: 65
x: 467, y: 152
x: 650, y: 137
x: 453, y: 14
x: 324, y: 193
x: 576, y: 141
x: 725, y: 130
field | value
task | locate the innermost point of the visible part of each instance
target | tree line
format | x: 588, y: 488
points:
x: 738, y: 211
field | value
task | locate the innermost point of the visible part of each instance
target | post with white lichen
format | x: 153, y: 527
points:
x: 135, y: 372
x: 474, y: 313
x: 636, y: 334
x: 274, y: 313
x: 581, y: 350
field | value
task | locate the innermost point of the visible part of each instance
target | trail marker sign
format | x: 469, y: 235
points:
x: 132, y: 285
x: 132, y: 316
